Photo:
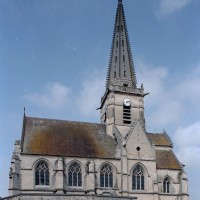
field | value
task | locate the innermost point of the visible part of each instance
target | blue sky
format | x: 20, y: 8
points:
x: 54, y: 57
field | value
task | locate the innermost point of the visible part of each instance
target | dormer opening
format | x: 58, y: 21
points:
x: 124, y: 74
x: 114, y: 74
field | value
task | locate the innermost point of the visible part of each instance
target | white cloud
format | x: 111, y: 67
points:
x: 168, y: 106
x: 151, y: 74
x: 166, y: 112
x: 159, y: 102
x: 53, y: 96
x: 188, y: 87
x: 189, y: 135
x: 187, y: 140
x: 167, y: 7
x: 153, y: 79
x: 91, y: 91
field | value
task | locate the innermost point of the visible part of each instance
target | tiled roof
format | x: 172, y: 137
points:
x: 167, y: 160
x: 66, y: 138
x: 159, y: 139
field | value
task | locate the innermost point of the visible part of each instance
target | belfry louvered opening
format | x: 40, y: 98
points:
x: 127, y: 114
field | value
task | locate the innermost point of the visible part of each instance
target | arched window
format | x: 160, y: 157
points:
x: 42, y: 174
x: 106, y: 176
x: 138, y: 178
x: 75, y: 175
x: 166, y: 185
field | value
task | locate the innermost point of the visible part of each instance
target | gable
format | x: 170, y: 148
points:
x: 138, y: 139
x: 66, y: 138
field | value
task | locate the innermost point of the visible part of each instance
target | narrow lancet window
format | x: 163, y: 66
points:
x: 124, y: 74
x: 115, y: 58
x: 116, y: 43
x: 114, y: 74
x: 123, y: 58
x: 123, y: 43
x: 166, y: 185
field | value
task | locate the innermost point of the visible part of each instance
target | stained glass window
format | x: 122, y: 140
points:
x: 75, y: 175
x: 106, y: 176
x: 42, y: 174
x: 166, y: 185
x: 138, y: 178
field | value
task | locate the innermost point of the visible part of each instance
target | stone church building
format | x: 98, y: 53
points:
x: 114, y: 159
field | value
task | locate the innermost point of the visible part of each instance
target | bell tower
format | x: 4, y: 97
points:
x: 122, y: 104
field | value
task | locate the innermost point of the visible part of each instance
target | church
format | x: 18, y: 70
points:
x: 114, y: 159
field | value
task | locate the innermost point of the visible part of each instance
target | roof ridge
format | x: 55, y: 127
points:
x: 168, y: 137
x: 39, y: 118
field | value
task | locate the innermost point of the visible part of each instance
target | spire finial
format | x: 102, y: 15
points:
x: 119, y: 1
x: 24, y: 111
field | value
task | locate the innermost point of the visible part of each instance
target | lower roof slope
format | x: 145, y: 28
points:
x: 167, y: 160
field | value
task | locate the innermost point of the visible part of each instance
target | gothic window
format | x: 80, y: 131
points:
x: 116, y: 43
x: 127, y: 114
x: 75, y: 175
x: 122, y: 28
x: 42, y: 174
x: 106, y: 176
x: 138, y: 178
x: 123, y: 58
x: 166, y: 185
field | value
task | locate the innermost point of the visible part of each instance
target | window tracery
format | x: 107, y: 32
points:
x: 138, y: 178
x: 75, y: 175
x: 42, y: 174
x: 106, y: 176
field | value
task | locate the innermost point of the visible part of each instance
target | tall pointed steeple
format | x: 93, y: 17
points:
x: 121, y: 69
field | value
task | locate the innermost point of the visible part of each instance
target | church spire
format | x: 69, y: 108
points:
x: 120, y: 70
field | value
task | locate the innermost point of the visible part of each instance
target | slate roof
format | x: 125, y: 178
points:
x: 159, y: 139
x: 66, y: 138
x: 120, y: 52
x: 81, y: 139
x: 167, y: 160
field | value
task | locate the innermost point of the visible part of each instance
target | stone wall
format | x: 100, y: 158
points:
x: 64, y: 197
